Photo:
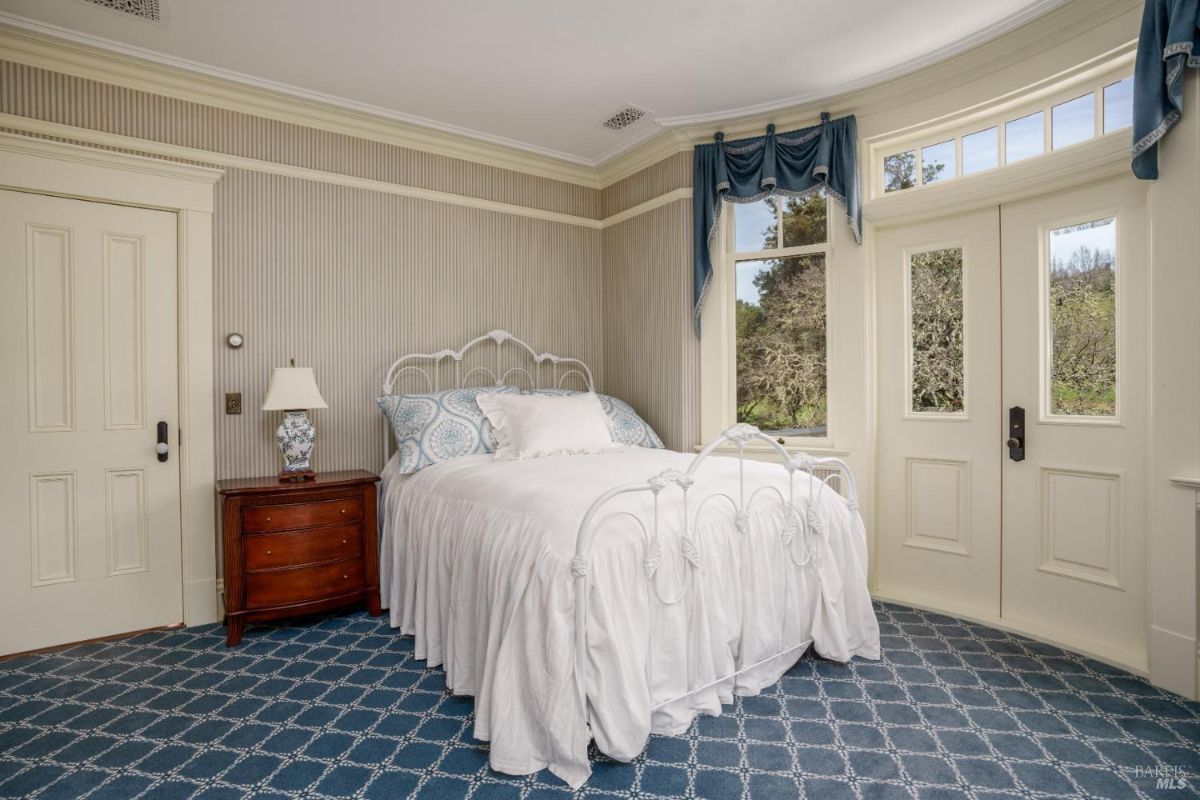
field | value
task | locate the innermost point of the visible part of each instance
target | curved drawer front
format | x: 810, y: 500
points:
x: 283, y: 587
x: 274, y: 550
x: 301, y: 515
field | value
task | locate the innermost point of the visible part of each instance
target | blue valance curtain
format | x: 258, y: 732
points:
x: 747, y: 170
x: 1169, y: 41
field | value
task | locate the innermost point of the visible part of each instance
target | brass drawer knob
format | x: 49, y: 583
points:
x: 268, y: 552
x: 345, y: 577
x: 343, y: 511
x: 343, y: 541
x: 268, y: 519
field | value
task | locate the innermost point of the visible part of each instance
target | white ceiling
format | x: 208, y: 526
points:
x: 542, y: 74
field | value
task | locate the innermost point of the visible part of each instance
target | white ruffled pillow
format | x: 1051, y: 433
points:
x: 529, y: 426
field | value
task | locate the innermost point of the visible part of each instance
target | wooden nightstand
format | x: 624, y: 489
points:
x: 297, y: 548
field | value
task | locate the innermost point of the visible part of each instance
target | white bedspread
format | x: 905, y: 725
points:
x: 475, y: 564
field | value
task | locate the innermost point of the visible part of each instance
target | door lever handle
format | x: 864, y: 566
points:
x: 1016, y: 433
x: 163, y: 447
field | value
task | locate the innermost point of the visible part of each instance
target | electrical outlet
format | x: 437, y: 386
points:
x: 233, y: 402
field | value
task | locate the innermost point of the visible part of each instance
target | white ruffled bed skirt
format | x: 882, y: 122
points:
x: 483, y: 582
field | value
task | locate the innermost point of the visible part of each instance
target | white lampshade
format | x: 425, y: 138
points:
x: 293, y: 389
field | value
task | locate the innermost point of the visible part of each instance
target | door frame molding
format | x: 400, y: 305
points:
x: 67, y: 170
x: 1173, y: 532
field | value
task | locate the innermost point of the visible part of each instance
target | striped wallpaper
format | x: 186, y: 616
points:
x: 54, y: 97
x: 673, y: 172
x: 344, y: 279
x: 651, y: 355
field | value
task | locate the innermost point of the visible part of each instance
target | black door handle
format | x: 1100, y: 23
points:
x: 163, y: 447
x: 1016, y: 433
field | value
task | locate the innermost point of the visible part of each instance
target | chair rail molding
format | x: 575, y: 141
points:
x: 69, y: 170
x: 101, y: 139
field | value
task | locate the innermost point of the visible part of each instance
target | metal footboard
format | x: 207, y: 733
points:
x: 795, y: 537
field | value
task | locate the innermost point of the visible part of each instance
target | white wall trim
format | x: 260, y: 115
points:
x: 1102, y: 157
x: 61, y: 50
x: 1173, y: 657
x: 49, y: 47
x: 173, y: 151
x: 667, y: 198
x: 200, y: 68
x: 1060, y: 25
x: 56, y: 168
x: 1009, y: 23
x: 145, y: 181
x: 202, y: 175
x: 1112, y: 657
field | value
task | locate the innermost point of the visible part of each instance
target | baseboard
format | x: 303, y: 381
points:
x: 1085, y: 648
x: 201, y: 602
x: 1173, y: 662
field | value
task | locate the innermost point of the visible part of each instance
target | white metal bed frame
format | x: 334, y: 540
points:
x: 802, y: 525
x: 423, y: 363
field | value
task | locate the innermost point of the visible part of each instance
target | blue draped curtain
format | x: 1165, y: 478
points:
x: 1169, y: 41
x: 747, y: 170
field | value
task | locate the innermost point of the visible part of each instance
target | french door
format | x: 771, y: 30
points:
x: 1013, y: 344
x: 90, y: 539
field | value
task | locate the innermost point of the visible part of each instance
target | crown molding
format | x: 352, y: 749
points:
x: 664, y: 145
x: 160, y: 150
x: 58, y: 49
x: 151, y: 158
x: 1068, y: 21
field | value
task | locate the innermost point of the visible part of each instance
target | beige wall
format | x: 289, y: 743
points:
x: 673, y: 172
x: 651, y: 354
x: 347, y: 279
x: 650, y: 350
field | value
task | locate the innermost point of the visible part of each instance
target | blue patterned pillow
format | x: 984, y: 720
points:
x: 627, y: 427
x: 435, y: 427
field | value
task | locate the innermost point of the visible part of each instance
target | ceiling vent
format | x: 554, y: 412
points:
x: 624, y: 118
x: 143, y: 9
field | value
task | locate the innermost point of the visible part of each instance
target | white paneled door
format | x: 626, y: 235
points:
x: 1038, y: 306
x: 90, y: 537
x: 939, y: 399
x: 1076, y: 281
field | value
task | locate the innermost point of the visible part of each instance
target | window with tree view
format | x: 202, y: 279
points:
x: 1083, y: 319
x: 781, y: 249
x: 935, y: 290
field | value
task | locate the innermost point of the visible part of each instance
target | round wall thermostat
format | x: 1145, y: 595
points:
x: 234, y: 340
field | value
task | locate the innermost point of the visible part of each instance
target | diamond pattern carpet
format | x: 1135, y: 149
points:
x: 337, y: 707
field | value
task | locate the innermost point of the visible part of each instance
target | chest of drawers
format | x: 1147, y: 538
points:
x: 297, y: 548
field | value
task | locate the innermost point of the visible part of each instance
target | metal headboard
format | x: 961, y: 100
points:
x: 430, y: 367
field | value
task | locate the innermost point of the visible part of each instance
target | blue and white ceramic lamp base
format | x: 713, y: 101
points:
x: 296, y: 436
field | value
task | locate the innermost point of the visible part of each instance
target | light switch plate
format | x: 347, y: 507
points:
x: 233, y: 402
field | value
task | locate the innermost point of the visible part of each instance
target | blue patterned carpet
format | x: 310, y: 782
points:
x: 339, y: 708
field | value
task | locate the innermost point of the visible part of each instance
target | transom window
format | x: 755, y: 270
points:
x: 1089, y: 112
x: 781, y: 251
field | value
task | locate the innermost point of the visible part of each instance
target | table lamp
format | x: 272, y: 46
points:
x: 294, y: 390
